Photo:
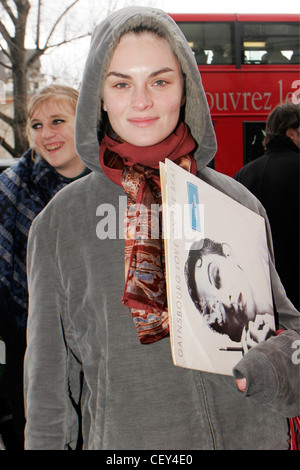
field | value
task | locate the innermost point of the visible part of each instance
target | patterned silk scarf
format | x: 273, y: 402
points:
x: 136, y: 169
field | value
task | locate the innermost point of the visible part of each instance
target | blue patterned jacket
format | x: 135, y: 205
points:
x: 25, y: 189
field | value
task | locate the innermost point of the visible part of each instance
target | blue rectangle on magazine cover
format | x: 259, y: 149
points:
x: 193, y: 198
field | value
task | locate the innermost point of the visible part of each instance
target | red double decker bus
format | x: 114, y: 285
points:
x: 248, y: 64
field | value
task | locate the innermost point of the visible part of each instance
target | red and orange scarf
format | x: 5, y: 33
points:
x: 136, y: 169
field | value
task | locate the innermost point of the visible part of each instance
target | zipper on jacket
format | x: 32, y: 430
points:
x: 212, y: 434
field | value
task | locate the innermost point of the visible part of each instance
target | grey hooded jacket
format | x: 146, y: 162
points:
x: 84, y: 363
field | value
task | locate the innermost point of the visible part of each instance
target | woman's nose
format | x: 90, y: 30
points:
x: 48, y: 131
x: 141, y: 99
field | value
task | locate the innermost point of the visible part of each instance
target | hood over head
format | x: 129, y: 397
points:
x: 91, y: 121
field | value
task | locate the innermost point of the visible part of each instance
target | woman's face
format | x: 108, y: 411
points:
x: 52, y: 135
x: 143, y: 89
x: 226, y: 289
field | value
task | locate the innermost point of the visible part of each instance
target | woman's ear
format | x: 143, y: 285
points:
x: 103, y: 106
x: 293, y: 135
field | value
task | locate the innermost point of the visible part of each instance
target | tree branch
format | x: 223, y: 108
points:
x: 8, y: 147
x: 5, y: 34
x: 31, y: 60
x: 57, y: 22
x: 5, y: 65
x: 6, y: 53
x: 38, y: 53
x: 9, y: 11
x: 37, y: 42
x: 7, y: 119
x: 66, y: 41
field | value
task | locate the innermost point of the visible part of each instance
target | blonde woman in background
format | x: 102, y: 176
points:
x: 25, y: 189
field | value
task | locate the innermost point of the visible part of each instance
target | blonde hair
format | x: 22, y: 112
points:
x: 56, y: 93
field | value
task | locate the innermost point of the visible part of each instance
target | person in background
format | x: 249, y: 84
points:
x: 25, y: 189
x: 100, y: 377
x: 273, y: 54
x: 274, y: 179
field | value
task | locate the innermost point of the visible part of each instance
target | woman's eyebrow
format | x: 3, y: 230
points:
x: 52, y: 116
x: 118, y: 74
x: 127, y: 77
x: 164, y: 70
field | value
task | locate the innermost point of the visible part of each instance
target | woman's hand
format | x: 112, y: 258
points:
x: 241, y: 384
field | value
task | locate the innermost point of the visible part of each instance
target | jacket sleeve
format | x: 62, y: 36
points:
x: 45, y: 368
x: 7, y: 243
x: 272, y: 368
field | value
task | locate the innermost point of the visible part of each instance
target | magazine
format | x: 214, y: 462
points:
x: 217, y: 272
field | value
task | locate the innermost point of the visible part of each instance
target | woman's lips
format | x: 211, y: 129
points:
x: 53, y: 147
x: 143, y: 122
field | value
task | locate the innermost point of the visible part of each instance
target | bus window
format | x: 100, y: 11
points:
x: 244, y: 86
x: 254, y: 134
x: 212, y: 43
x: 272, y: 43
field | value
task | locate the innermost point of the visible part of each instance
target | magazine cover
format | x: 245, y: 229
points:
x: 217, y: 271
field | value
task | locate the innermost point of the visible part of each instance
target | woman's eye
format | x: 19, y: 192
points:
x: 57, y: 121
x: 121, y: 85
x: 160, y: 83
x: 36, y: 125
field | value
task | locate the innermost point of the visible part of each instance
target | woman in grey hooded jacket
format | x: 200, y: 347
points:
x: 88, y: 370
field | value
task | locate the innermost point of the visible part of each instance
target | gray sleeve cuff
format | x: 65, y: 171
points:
x: 272, y: 373
x: 261, y: 379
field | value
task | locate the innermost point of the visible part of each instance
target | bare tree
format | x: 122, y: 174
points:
x: 19, y: 60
